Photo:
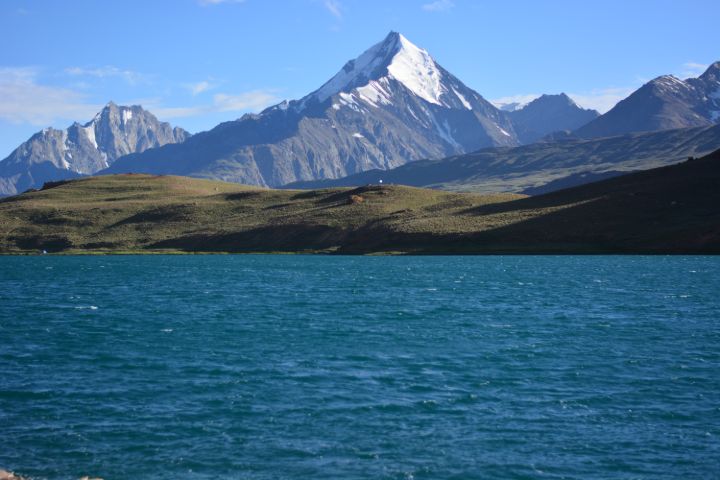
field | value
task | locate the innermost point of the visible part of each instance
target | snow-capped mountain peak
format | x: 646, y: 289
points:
x: 396, y: 58
x: 360, y: 71
x: 392, y: 104
x: 670, y: 83
x: 416, y: 69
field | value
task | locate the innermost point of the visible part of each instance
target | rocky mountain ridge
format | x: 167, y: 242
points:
x: 84, y: 149
x: 663, y: 103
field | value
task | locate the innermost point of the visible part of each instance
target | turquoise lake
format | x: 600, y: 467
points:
x: 323, y: 367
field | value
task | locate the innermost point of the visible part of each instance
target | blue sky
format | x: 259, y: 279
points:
x: 196, y: 63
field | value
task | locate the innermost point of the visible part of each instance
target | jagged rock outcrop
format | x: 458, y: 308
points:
x: 52, y: 154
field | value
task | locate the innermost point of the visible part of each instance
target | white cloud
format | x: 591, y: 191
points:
x: 254, y: 100
x: 692, y: 69
x: 334, y: 7
x: 107, y: 71
x: 167, y: 113
x: 601, y: 99
x: 199, y: 87
x: 222, y: 102
x: 521, y: 99
x: 24, y: 100
x: 438, y: 6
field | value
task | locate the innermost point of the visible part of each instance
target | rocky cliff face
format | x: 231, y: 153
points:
x: 84, y: 149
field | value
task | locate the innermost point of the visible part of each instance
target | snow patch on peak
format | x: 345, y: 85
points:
x: 394, y: 58
x: 356, y: 72
x: 65, y: 151
x: 462, y: 99
x: 348, y: 100
x: 416, y: 69
x: 669, y: 78
x: 671, y: 82
x: 126, y: 115
x: 375, y: 92
x: 89, y: 130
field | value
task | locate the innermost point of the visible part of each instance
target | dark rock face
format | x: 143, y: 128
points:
x: 78, y: 150
x: 392, y: 105
x: 662, y: 104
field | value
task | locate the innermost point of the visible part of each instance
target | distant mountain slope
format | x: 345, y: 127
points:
x: 662, y: 104
x: 529, y: 167
x: 673, y: 209
x: 391, y: 105
x: 84, y: 149
x: 548, y: 114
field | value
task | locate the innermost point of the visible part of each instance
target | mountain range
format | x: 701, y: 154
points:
x: 392, y: 105
x: 662, y: 104
x: 387, y: 109
x: 85, y: 149
x: 543, y: 166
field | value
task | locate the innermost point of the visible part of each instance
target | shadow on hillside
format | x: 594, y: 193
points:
x: 530, y: 203
x: 261, y: 239
x: 170, y: 213
x: 613, y: 224
x: 242, y: 195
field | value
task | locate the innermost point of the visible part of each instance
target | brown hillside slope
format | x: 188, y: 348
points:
x: 673, y: 209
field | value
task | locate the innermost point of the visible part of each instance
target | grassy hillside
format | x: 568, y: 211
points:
x: 672, y: 209
x: 152, y: 213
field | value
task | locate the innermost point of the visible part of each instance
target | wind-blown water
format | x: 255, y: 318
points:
x: 271, y: 367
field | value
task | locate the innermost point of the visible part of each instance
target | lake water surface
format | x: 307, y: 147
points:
x: 319, y: 367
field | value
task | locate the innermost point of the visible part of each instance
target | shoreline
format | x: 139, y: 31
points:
x: 493, y: 253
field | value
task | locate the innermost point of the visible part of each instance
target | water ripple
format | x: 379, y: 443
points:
x: 266, y: 367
